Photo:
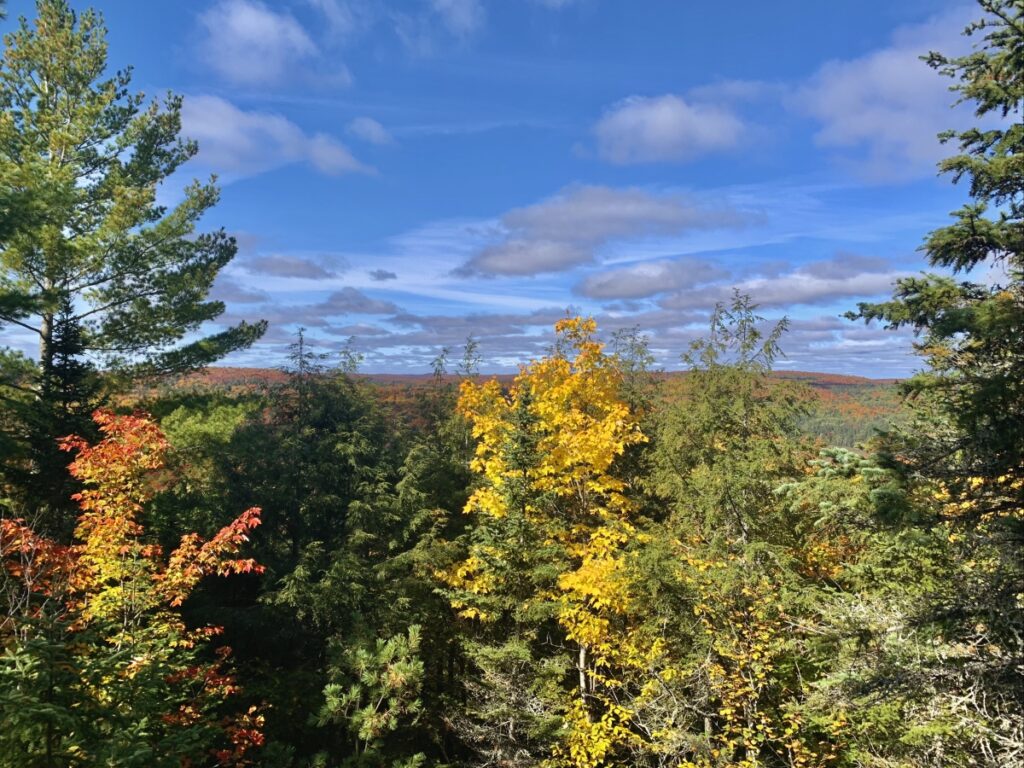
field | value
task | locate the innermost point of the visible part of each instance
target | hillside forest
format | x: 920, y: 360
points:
x: 588, y: 564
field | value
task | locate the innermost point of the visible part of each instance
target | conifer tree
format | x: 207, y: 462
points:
x: 972, y: 332
x: 91, y: 263
x: 963, y: 454
x: 732, y: 433
x: 69, y: 392
x: 85, y: 157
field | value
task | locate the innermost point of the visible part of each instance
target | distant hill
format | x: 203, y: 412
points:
x: 847, y: 410
x: 828, y: 380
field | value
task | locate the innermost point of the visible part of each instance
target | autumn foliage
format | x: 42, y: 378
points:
x: 110, y: 599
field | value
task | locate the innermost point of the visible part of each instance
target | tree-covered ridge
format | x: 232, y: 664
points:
x: 586, y: 565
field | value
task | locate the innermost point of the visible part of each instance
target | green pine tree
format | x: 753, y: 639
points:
x: 90, y: 156
x: 91, y: 264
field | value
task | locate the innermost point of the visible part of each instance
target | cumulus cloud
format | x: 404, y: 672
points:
x: 881, y: 112
x: 241, y: 143
x: 816, y: 283
x: 287, y: 266
x: 664, y: 128
x: 227, y: 290
x: 369, y: 130
x: 404, y: 341
x: 506, y: 339
x: 350, y: 301
x: 415, y: 349
x: 247, y: 43
x: 566, y: 230
x: 381, y: 275
x: 526, y: 257
x: 649, y: 278
x: 318, y: 314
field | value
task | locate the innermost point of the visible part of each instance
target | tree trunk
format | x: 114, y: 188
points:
x: 46, y: 343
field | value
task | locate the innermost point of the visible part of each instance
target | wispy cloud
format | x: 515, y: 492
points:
x: 649, y: 278
x: 425, y: 31
x: 351, y: 301
x: 230, y: 291
x: 461, y: 17
x: 845, y: 276
x: 347, y: 19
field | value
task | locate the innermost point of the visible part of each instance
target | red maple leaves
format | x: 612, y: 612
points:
x: 111, y: 579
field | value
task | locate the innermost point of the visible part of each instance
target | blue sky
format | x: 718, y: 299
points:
x: 410, y: 173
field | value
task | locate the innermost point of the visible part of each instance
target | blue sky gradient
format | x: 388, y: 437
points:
x: 410, y: 173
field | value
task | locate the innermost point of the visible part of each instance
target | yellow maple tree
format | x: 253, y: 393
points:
x: 578, y: 425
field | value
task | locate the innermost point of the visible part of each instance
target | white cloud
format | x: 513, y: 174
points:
x: 664, y: 128
x: 527, y: 257
x: 287, y: 266
x: 368, y: 129
x: 845, y: 265
x: 425, y: 32
x: 816, y: 283
x: 649, y: 278
x: 594, y: 213
x: 415, y: 33
x: 566, y: 230
x: 330, y: 156
x: 881, y: 112
x: 239, y: 143
x: 347, y: 301
x: 247, y: 43
x: 350, y: 301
